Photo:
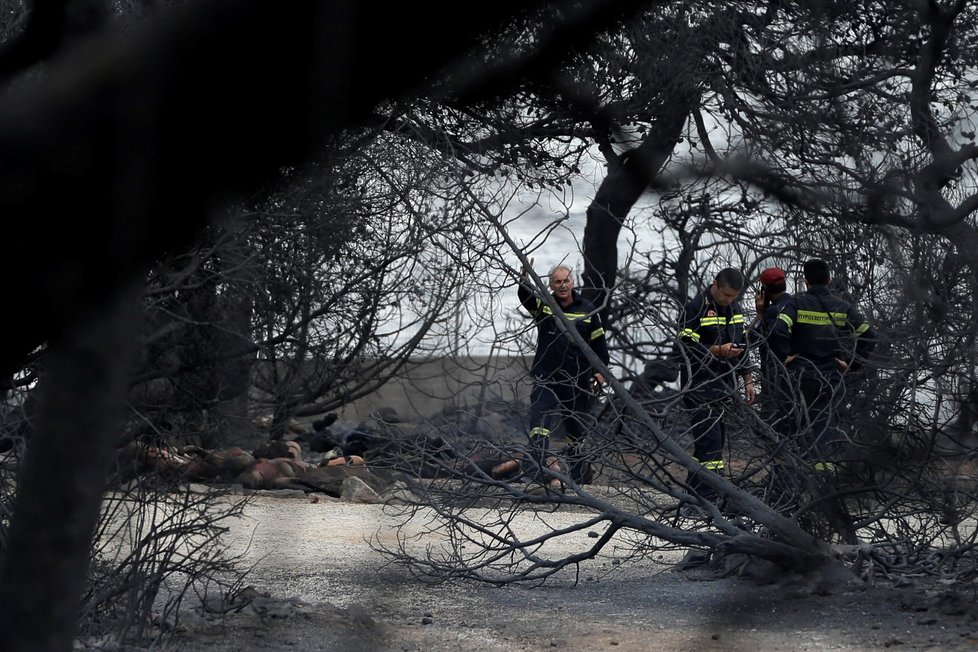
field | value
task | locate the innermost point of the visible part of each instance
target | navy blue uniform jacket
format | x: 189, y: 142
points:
x: 819, y: 328
x: 556, y: 354
x: 759, y: 334
x: 704, y: 323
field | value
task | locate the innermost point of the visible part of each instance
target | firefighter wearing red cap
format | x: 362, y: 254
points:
x: 769, y: 302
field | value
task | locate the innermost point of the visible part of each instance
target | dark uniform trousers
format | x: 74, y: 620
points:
x: 822, y: 393
x: 707, y: 407
x: 561, y: 399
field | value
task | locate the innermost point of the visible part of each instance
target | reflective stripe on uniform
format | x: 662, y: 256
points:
x: 721, y: 321
x: 786, y: 319
x: 574, y: 316
x: 713, y: 465
x: 862, y: 329
x: 690, y: 333
x: 824, y: 466
x: 539, y: 431
x: 598, y: 332
x: 821, y: 318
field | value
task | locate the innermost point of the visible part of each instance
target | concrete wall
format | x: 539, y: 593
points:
x: 429, y: 386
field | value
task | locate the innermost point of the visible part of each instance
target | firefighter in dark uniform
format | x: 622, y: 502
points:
x: 821, y: 337
x: 774, y: 394
x: 564, y: 381
x: 714, y: 347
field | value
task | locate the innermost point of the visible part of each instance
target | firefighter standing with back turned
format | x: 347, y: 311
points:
x: 820, y: 337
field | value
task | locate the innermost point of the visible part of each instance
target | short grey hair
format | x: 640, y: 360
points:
x: 562, y: 266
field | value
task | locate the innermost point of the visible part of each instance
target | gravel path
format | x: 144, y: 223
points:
x: 321, y: 586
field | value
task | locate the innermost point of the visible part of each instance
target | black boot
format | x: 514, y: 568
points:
x: 698, y: 488
x: 580, y: 467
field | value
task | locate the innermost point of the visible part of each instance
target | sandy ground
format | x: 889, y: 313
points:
x: 320, y: 585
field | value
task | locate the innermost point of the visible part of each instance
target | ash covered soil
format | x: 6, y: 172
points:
x: 319, y: 583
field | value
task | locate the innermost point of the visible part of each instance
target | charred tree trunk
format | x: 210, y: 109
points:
x: 628, y: 178
x: 59, y: 487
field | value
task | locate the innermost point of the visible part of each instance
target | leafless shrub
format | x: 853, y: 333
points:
x: 158, y: 552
